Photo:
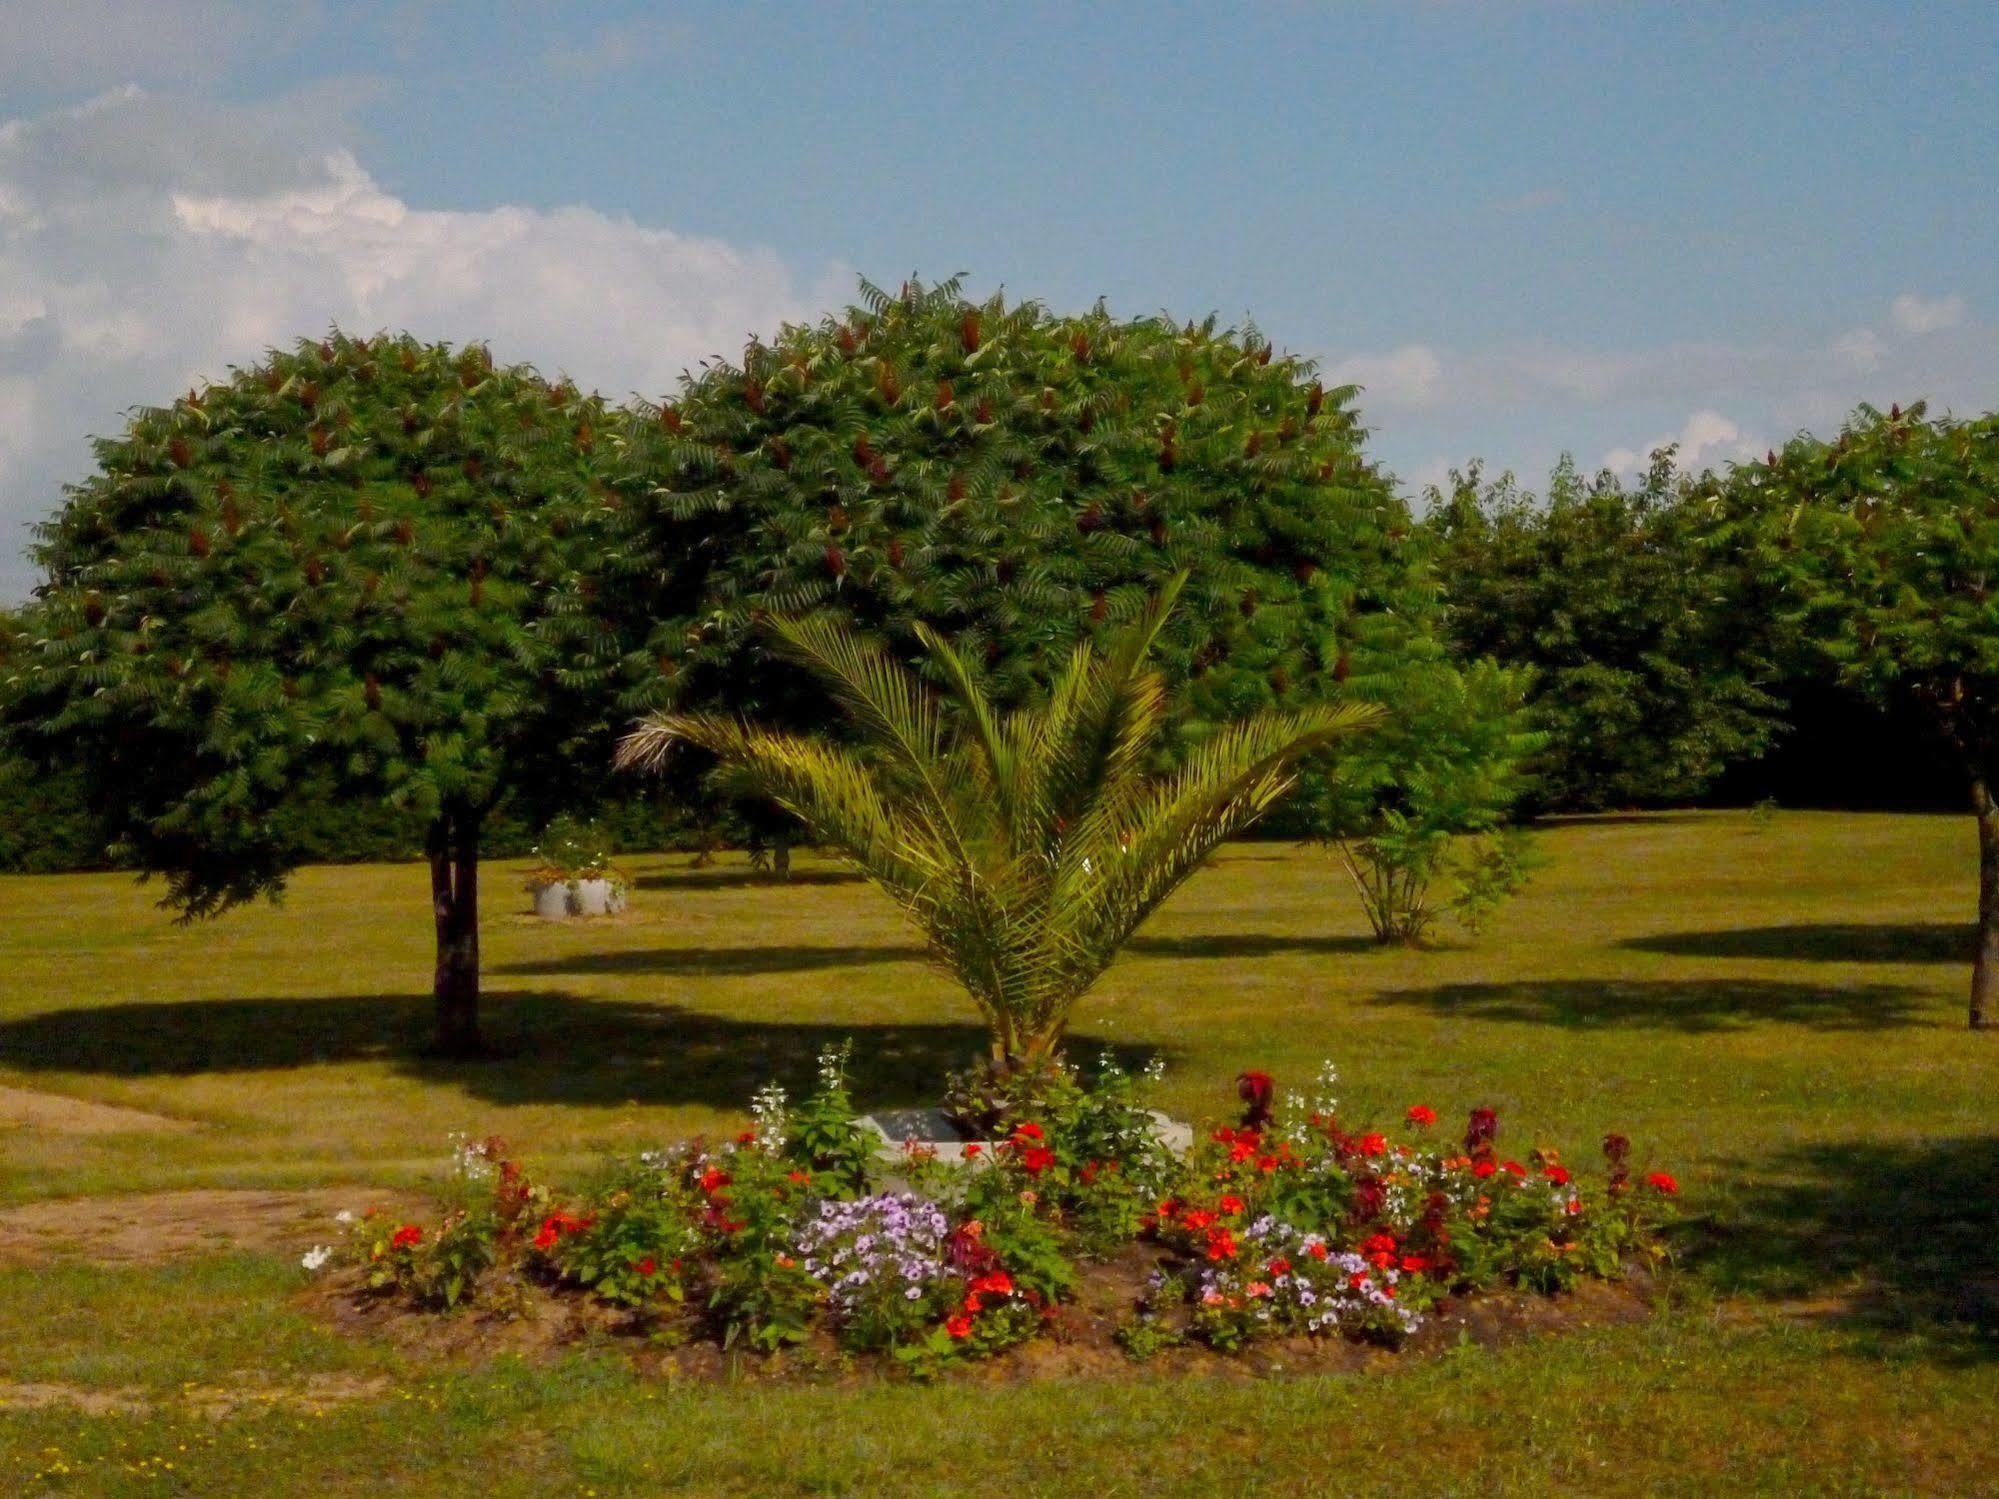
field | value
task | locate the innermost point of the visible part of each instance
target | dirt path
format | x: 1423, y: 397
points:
x: 24, y: 1108
x: 215, y: 1401
x: 149, y: 1227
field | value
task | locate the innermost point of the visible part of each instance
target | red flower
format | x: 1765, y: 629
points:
x: 973, y: 1149
x: 1197, y: 1218
x: 800, y: 1177
x: 1659, y: 1181
x: 1316, y: 1251
x: 747, y: 1137
x: 1513, y: 1168
x: 1037, y: 1160
x: 959, y: 1326
x: 1279, y: 1266
x: 1221, y: 1244
x: 1167, y: 1208
x: 1415, y: 1264
x: 406, y: 1237
x: 1255, y: 1089
x: 1231, y: 1204
x: 1421, y: 1113
x: 647, y: 1266
x: 1483, y: 1128
x: 1559, y: 1175
x: 714, y: 1179
x: 1373, y: 1144
x: 1028, y: 1132
x: 998, y: 1283
x: 1483, y: 1169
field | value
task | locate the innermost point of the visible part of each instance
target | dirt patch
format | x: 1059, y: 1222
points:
x: 541, y: 1323
x: 24, y: 1108
x: 150, y: 1227
x: 216, y: 1401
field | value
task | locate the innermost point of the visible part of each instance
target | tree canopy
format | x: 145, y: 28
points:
x: 1878, y: 554
x: 1646, y: 678
x: 364, y: 568
x: 1016, y: 480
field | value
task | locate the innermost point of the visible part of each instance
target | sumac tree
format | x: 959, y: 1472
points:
x: 1878, y: 553
x: 363, y: 569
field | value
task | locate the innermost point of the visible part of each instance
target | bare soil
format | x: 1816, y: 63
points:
x: 215, y: 1401
x: 57, y: 1113
x: 151, y: 1227
x: 541, y: 1323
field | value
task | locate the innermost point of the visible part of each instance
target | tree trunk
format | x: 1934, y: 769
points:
x: 780, y: 854
x: 454, y: 891
x: 1985, y: 961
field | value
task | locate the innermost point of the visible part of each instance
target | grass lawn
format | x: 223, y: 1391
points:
x: 1771, y: 1009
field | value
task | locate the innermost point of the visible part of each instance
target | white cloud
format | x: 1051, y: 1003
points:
x: 1707, y: 440
x: 1918, y: 315
x: 1404, y: 377
x: 85, y: 44
x: 146, y: 244
x: 1860, y: 350
x: 616, y: 46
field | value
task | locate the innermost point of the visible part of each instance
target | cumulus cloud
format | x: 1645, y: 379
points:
x: 90, y: 43
x: 148, y: 243
x: 1919, y: 315
x: 1402, y: 378
x: 617, y: 46
x: 1524, y: 404
x: 1707, y: 440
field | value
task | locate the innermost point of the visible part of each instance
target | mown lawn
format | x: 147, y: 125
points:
x: 1773, y: 1009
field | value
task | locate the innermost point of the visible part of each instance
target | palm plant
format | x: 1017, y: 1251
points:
x: 1026, y: 847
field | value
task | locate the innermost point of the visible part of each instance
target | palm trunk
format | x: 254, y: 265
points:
x: 454, y: 891
x: 1985, y: 960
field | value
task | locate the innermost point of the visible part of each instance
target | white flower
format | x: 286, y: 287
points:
x: 317, y: 1256
x: 344, y: 1217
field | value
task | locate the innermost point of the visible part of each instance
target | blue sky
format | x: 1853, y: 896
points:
x: 1526, y: 228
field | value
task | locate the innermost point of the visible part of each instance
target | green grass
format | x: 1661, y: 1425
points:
x: 1773, y: 1011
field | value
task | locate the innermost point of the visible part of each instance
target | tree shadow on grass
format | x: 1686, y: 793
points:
x: 711, y: 962
x: 1823, y: 942
x: 1245, y: 945
x: 737, y: 879
x: 547, y: 1048
x: 1692, y: 1005
x: 1896, y: 1237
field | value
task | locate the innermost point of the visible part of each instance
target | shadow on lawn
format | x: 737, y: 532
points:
x: 548, y: 1048
x: 1823, y: 942
x: 1673, y: 1004
x: 1899, y: 1237
x: 711, y: 962
x: 737, y: 879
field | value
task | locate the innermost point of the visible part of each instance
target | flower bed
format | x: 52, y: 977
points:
x: 1285, y: 1225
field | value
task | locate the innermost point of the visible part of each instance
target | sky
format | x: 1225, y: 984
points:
x: 1524, y: 227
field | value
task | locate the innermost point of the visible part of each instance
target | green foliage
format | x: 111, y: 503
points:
x: 1025, y: 846
x: 1418, y: 814
x: 366, y: 570
x: 825, y: 1134
x: 1017, y: 481
x: 1877, y: 552
x: 1647, y: 673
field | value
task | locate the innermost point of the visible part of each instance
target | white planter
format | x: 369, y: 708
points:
x: 559, y: 902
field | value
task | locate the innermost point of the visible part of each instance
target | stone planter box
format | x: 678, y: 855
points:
x: 559, y: 902
x: 932, y: 1128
